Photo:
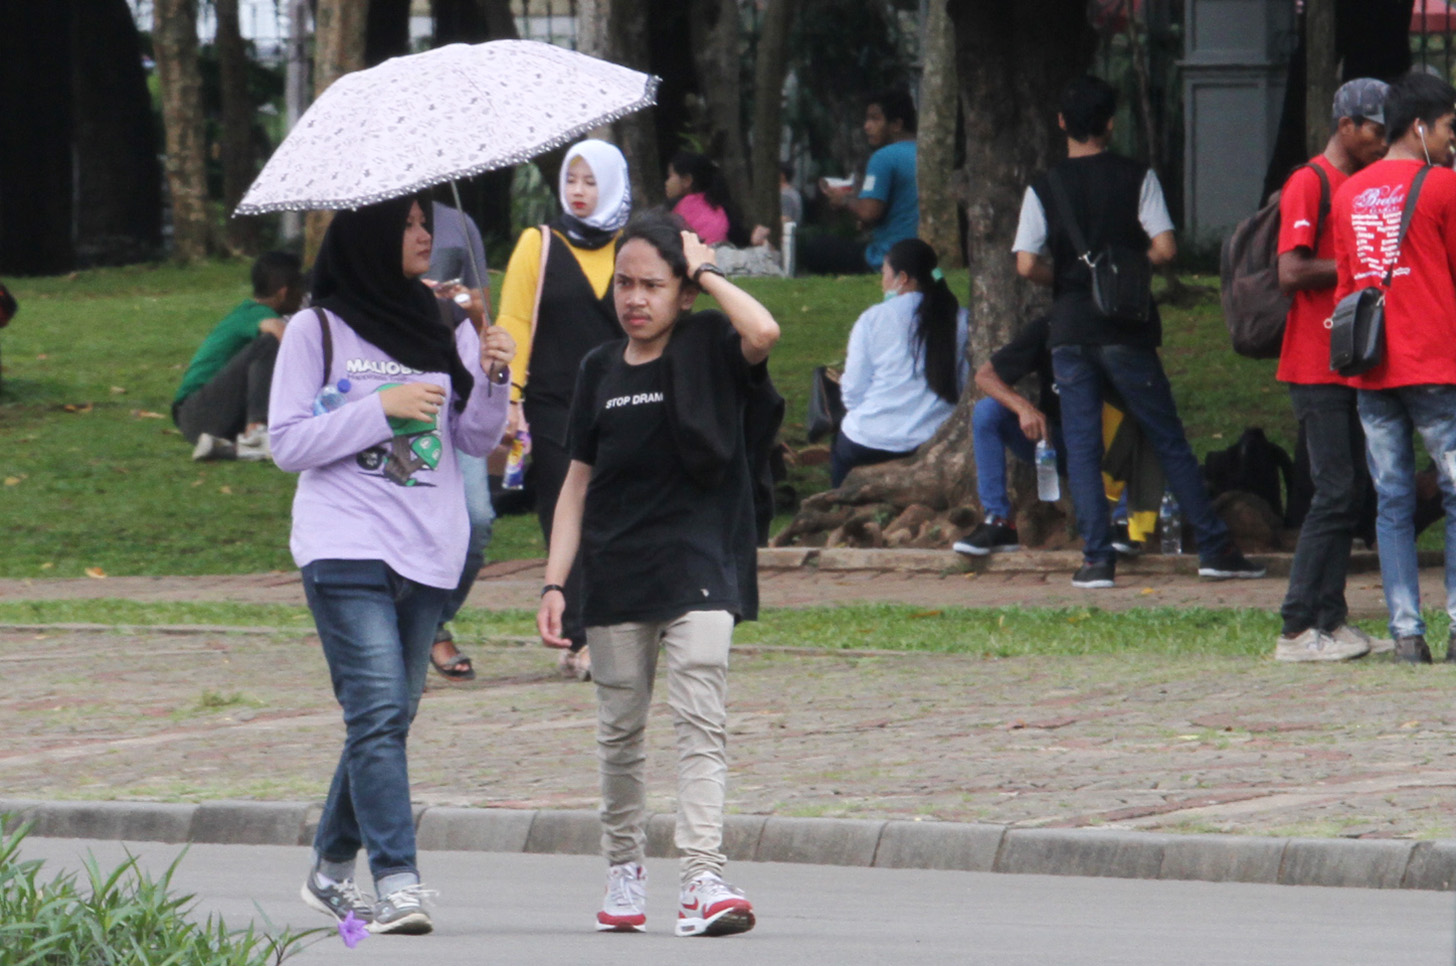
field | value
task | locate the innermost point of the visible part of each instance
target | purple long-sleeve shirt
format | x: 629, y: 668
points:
x: 371, y: 487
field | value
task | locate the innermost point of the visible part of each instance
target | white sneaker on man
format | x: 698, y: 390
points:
x: 1315, y: 645
x: 711, y: 907
x: 624, y: 906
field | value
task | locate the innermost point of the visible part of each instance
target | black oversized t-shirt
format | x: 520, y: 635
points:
x: 1030, y: 352
x: 654, y: 544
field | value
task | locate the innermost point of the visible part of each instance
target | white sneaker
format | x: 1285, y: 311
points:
x: 1315, y: 645
x: 1350, y: 634
x: 624, y: 906
x: 253, y: 445
x: 210, y: 447
x: 711, y: 907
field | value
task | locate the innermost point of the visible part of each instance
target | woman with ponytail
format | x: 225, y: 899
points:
x: 906, y: 364
x: 698, y: 193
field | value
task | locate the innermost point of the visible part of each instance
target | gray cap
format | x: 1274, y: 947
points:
x: 1361, y: 97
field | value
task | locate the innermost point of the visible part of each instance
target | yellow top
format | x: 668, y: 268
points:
x: 518, y: 291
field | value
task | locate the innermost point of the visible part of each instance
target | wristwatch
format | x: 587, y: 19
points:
x: 708, y: 267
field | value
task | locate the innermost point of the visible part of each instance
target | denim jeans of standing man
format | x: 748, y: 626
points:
x: 1084, y: 374
x: 376, y: 628
x: 1330, y: 419
x: 1391, y: 418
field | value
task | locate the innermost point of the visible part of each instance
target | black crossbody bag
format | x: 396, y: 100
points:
x: 1122, y: 277
x: 1357, y: 328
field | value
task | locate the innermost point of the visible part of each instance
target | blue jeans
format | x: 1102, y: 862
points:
x: 994, y: 430
x: 1391, y: 418
x: 376, y: 628
x: 1083, y: 373
x: 482, y: 524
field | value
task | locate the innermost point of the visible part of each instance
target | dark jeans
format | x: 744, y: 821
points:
x: 1330, y: 419
x: 550, y: 461
x: 1083, y: 373
x: 235, y: 397
x: 376, y: 628
x: 846, y: 454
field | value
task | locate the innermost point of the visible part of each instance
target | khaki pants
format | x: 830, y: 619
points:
x: 624, y: 662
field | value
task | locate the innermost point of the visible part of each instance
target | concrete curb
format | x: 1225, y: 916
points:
x: 892, y: 844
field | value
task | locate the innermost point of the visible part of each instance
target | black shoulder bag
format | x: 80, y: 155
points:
x: 1357, y: 328
x: 1121, y: 276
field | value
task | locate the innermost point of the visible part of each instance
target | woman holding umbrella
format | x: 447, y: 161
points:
x: 556, y: 302
x: 372, y: 396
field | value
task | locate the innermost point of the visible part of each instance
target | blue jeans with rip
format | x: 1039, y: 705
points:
x: 482, y: 525
x: 1391, y: 418
x: 376, y: 628
x: 994, y: 430
x: 1083, y: 374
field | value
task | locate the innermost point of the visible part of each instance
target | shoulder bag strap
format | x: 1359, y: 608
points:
x: 328, y: 342
x: 1064, y: 207
x: 1408, y: 211
x: 1324, y: 202
x: 540, y: 279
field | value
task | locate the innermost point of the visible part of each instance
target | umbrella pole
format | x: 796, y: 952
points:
x: 475, y: 257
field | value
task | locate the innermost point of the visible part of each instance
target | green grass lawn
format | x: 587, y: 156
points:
x: 95, y: 476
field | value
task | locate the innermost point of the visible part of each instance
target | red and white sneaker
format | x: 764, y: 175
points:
x: 623, y: 906
x: 711, y: 907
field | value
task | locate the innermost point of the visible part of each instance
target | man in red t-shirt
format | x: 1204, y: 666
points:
x: 1316, y: 626
x: 1413, y: 389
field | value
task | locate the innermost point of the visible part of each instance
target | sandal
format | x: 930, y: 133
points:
x: 457, y: 668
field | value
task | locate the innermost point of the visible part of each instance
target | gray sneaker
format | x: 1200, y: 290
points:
x: 1350, y: 634
x: 1315, y: 645
x: 337, y: 900
x: 403, y: 912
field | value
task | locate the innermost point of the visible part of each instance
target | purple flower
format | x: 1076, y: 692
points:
x: 352, y: 930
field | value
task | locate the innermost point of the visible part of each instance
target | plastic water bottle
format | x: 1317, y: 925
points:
x: 514, y: 477
x: 1048, y: 485
x: 1170, y: 524
x: 789, y: 248
x: 330, y: 398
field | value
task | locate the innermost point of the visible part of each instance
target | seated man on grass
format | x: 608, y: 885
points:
x: 222, y: 404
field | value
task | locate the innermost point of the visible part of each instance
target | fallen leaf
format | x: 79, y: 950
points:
x: 147, y: 414
x: 42, y: 356
x: 926, y: 613
x: 73, y: 408
x: 12, y: 481
x: 47, y: 565
x: 1147, y: 590
x: 96, y: 572
x: 118, y: 390
x: 225, y: 489
x: 1407, y: 725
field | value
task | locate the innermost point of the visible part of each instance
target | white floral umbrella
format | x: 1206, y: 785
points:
x: 438, y: 116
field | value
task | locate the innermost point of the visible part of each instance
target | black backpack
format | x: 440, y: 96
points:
x: 1254, y: 307
x: 1251, y: 465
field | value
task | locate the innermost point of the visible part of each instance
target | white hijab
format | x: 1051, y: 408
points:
x: 614, y: 190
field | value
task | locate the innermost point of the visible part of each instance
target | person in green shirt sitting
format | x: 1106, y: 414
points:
x: 222, y: 404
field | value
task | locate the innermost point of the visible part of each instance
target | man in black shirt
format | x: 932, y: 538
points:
x: 658, y: 499
x: 1113, y: 203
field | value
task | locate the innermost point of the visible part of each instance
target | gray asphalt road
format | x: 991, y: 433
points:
x: 538, y: 909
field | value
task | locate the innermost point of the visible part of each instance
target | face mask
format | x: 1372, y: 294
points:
x: 892, y: 293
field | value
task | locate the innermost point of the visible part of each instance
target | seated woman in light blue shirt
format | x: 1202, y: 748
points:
x: 906, y: 365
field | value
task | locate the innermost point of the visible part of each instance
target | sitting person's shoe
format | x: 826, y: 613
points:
x: 1350, y: 634
x: 992, y: 536
x: 337, y: 899
x: 210, y: 447
x: 709, y: 906
x: 1412, y: 650
x: 1312, y: 644
x: 1230, y: 564
x: 1123, y: 542
x: 1095, y: 576
x: 253, y: 447
x: 624, y: 907
x: 403, y: 912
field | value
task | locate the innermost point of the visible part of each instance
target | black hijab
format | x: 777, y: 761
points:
x: 359, y: 276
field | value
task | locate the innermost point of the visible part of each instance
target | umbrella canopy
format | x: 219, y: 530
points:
x: 444, y: 114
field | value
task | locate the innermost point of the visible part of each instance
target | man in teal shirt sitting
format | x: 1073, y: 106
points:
x: 888, y: 201
x: 222, y: 404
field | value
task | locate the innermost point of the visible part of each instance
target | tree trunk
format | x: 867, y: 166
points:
x: 935, y: 139
x: 628, y: 44
x: 237, y: 123
x: 762, y: 206
x: 715, y: 42
x: 339, y: 30
x: 1321, y: 73
x: 174, y: 39
x: 118, y: 178
x: 1013, y: 59
x: 295, y: 93
x: 386, y: 31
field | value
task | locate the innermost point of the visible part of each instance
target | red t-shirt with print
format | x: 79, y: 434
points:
x: 1420, y: 305
x: 1304, y: 357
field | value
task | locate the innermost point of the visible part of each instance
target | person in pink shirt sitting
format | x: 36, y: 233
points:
x: 699, y: 196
